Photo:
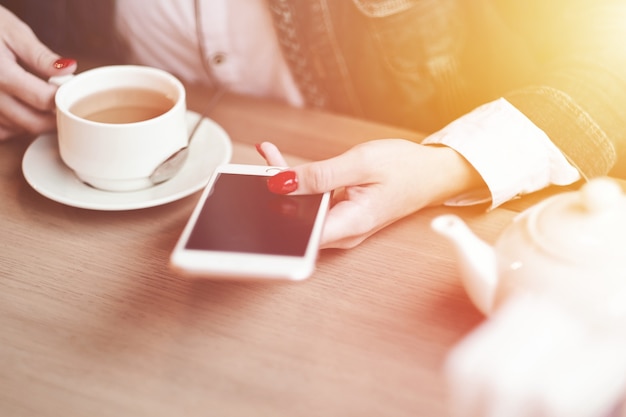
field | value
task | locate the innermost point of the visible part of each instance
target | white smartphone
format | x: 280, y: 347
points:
x: 239, y: 229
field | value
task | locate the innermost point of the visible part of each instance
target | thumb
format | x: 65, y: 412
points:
x: 321, y: 176
x: 35, y: 55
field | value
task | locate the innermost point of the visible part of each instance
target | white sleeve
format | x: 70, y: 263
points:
x: 513, y: 156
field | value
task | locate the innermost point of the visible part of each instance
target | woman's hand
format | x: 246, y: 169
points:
x: 26, y: 98
x: 375, y: 183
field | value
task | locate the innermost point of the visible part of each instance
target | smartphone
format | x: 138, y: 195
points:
x: 239, y: 229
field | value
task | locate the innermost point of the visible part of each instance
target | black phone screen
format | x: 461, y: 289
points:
x: 242, y: 215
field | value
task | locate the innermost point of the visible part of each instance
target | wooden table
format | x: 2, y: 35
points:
x: 93, y: 322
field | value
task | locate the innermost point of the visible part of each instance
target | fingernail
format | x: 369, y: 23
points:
x: 259, y: 150
x: 63, y: 63
x: 284, y: 182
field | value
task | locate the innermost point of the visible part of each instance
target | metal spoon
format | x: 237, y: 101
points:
x: 170, y: 167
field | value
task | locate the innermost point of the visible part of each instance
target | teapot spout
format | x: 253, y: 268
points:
x: 475, y: 258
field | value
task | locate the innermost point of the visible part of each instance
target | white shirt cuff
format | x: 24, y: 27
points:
x: 513, y: 156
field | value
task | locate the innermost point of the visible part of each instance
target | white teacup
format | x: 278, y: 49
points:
x: 116, y: 124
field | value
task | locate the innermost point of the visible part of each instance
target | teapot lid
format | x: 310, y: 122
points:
x: 586, y: 226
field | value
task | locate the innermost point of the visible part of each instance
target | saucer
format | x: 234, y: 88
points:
x: 48, y: 175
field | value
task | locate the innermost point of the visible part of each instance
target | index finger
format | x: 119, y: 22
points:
x: 350, y: 168
x: 27, y: 87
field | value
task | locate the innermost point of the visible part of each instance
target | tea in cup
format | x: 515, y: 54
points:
x: 117, y: 124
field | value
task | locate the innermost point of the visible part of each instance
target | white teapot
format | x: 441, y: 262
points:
x: 554, y: 288
x: 571, y: 248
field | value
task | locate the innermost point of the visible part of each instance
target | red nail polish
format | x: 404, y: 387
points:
x: 63, y: 63
x: 284, y: 182
x: 259, y: 150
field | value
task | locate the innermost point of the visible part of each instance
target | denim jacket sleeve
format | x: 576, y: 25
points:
x: 578, y: 95
x: 424, y: 63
